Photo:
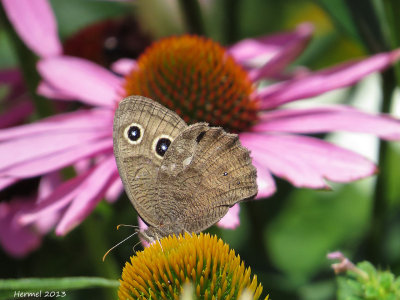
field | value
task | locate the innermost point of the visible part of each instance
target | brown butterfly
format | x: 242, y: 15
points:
x: 179, y: 178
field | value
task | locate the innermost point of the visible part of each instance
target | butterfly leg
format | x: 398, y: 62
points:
x: 158, y: 240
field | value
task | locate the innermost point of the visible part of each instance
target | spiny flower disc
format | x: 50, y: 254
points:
x: 205, y: 261
x: 198, y: 79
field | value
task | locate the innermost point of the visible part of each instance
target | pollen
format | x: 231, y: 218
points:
x: 205, y: 261
x: 198, y: 79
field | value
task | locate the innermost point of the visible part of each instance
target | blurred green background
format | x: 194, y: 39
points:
x: 284, y: 238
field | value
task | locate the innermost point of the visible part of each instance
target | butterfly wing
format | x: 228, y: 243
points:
x: 204, y: 172
x: 142, y: 130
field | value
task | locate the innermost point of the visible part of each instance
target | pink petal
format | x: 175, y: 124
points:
x: 83, y: 79
x: 268, y: 45
x: 288, y: 52
x: 326, y: 80
x: 327, y: 119
x: 115, y: 190
x: 306, y: 161
x: 124, y: 66
x: 34, y: 147
x: 48, y: 91
x: 17, y: 240
x: 265, y: 182
x: 35, y: 23
x: 231, y: 220
x: 90, y: 193
x: 82, y: 120
x: 56, y: 161
x: 48, y: 184
x: 142, y: 226
x: 7, y: 181
x: 56, y: 201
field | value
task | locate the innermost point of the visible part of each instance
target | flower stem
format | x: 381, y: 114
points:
x: 231, y: 20
x: 367, y: 23
x: 27, y: 64
x: 391, y: 9
x: 192, y: 15
x: 380, y: 208
x: 96, y: 247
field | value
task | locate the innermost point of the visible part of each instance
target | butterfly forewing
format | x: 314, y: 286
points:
x: 140, y: 127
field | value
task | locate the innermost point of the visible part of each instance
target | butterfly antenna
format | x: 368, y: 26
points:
x: 127, y: 225
x: 104, y: 257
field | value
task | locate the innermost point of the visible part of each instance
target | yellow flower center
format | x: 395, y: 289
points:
x: 195, y: 77
x: 205, y: 261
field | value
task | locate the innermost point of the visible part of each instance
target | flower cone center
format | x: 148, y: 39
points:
x: 198, y: 79
x: 214, y: 270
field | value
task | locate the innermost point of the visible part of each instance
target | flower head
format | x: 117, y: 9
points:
x: 161, y: 270
x: 197, y: 78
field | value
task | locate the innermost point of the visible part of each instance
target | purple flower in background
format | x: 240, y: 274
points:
x: 15, y: 238
x: 205, y: 82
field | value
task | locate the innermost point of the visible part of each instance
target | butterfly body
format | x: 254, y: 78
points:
x: 179, y: 178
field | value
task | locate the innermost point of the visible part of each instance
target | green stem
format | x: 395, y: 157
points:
x: 192, y: 15
x: 367, y: 23
x: 231, y: 25
x: 392, y: 20
x: 96, y: 247
x: 380, y: 208
x: 27, y: 64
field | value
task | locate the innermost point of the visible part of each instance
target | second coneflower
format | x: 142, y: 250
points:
x: 162, y: 269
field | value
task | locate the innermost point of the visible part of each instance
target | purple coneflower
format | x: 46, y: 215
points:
x: 202, y: 81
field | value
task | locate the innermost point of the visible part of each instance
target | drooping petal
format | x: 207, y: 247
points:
x: 265, y: 182
x: 306, y: 161
x: 48, y: 184
x: 142, y: 226
x: 83, y: 79
x: 16, y: 239
x: 288, y: 53
x: 36, y: 25
x: 268, y: 46
x: 124, y: 65
x: 115, y: 190
x: 89, y: 195
x: 328, y: 119
x: 45, y: 89
x: 231, y: 220
x: 7, y: 181
x: 55, y: 202
x: 82, y: 120
x: 29, y: 148
x: 55, y: 161
x: 325, y: 80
